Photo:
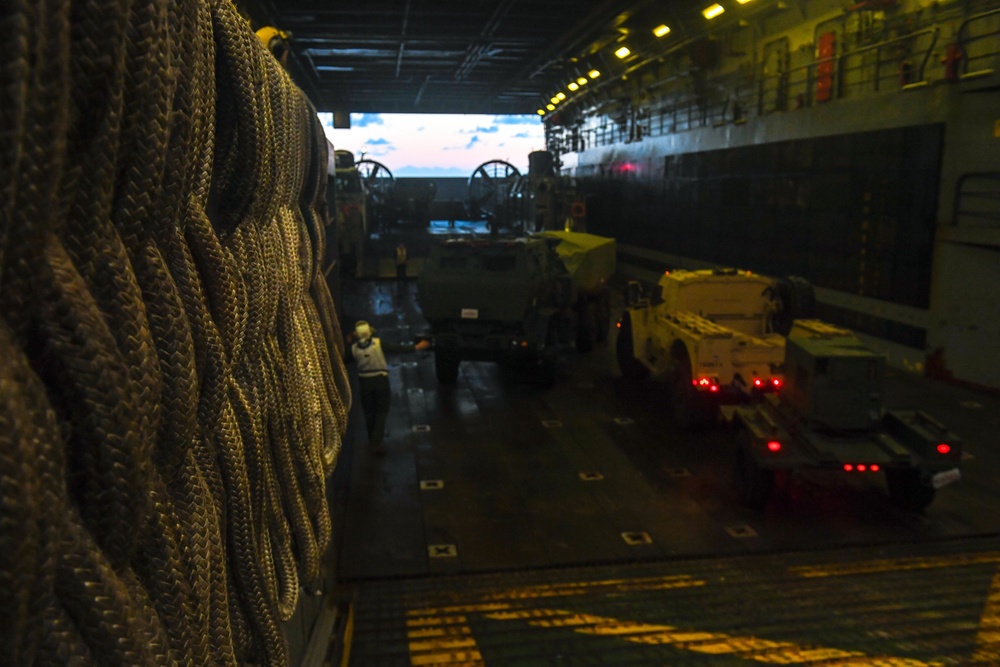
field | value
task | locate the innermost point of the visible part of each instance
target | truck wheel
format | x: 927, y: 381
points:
x: 631, y: 368
x: 908, y: 490
x: 754, y: 484
x: 689, y: 408
x: 586, y: 328
x: 798, y: 302
x: 446, y: 368
x: 603, y: 318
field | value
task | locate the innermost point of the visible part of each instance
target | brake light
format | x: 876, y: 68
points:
x: 618, y: 324
x: 757, y: 382
x: 944, y: 448
x: 776, y: 382
x: 861, y: 467
x: 774, y: 446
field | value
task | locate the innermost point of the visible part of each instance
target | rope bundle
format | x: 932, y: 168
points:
x: 172, y: 390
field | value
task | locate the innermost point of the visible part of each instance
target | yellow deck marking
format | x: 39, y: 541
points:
x: 896, y: 565
x: 710, y: 643
x: 434, y: 620
x: 988, y: 637
x: 446, y: 631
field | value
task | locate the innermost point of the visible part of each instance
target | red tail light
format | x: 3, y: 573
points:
x: 757, y: 382
x: 776, y: 382
x: 944, y: 448
x: 774, y: 446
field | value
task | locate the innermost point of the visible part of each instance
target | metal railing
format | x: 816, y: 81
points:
x: 890, y: 65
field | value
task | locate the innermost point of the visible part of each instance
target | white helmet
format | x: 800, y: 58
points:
x: 363, y: 331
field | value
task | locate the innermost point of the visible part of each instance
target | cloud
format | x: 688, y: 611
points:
x: 524, y: 119
x: 410, y: 171
x: 524, y: 135
x: 366, y: 119
x: 472, y: 142
x: 487, y: 130
x: 378, y: 142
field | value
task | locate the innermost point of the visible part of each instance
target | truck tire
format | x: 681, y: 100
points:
x: 754, y: 485
x: 446, y: 367
x: 798, y: 302
x: 908, y: 490
x: 603, y: 318
x: 689, y: 408
x: 586, y: 327
x: 630, y: 367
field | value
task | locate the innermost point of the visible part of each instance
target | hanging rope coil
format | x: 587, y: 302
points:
x: 172, y: 387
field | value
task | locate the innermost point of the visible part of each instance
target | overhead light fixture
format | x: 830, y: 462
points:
x: 572, y: 85
x: 594, y: 73
x: 713, y: 11
x: 554, y: 100
x: 743, y: 2
x: 664, y: 29
x: 582, y: 81
x: 622, y: 52
x: 541, y: 112
x: 550, y: 107
x: 560, y: 96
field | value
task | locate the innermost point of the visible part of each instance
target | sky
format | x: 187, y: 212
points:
x: 438, y: 144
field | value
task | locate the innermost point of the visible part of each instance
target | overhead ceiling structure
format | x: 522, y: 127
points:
x: 459, y: 56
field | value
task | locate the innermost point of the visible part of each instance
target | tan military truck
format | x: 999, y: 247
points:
x: 716, y: 335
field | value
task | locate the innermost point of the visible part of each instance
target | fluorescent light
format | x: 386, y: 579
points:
x: 554, y: 100
x: 743, y: 2
x: 541, y: 112
x: 664, y: 29
x: 713, y: 11
x: 582, y: 80
x: 572, y: 85
x: 550, y: 107
x: 593, y: 74
x: 560, y: 96
x: 622, y: 52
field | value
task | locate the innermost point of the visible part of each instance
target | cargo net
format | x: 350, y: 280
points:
x: 172, y: 391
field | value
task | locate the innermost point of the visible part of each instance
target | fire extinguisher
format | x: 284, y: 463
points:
x: 953, y: 54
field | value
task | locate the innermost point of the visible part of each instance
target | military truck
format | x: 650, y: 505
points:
x: 518, y: 301
x: 352, y: 216
x: 715, y: 335
x: 830, y: 416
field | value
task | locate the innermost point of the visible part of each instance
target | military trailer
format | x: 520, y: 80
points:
x: 830, y: 416
x: 715, y: 335
x: 519, y: 301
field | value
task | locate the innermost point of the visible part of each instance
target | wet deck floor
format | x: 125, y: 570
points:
x: 511, y: 524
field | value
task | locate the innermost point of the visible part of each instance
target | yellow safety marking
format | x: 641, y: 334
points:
x: 712, y: 643
x: 434, y: 620
x: 896, y: 565
x: 443, y: 644
x: 988, y: 637
x: 459, y: 609
x: 447, y: 631
x: 459, y: 659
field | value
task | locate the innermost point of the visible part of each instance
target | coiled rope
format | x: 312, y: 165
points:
x: 172, y: 387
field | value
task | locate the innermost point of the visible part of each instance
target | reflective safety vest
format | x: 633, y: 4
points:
x: 370, y: 359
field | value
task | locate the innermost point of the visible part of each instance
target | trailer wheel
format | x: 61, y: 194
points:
x: 754, y: 484
x: 631, y: 368
x: 586, y: 327
x: 446, y: 367
x: 798, y: 301
x: 908, y: 490
x: 689, y: 408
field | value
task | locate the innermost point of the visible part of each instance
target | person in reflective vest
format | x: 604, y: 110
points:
x: 368, y: 353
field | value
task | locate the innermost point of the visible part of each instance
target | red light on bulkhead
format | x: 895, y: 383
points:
x: 848, y: 467
x: 714, y: 387
x: 774, y: 446
x: 862, y: 467
x: 874, y: 467
x: 619, y: 325
x: 944, y: 448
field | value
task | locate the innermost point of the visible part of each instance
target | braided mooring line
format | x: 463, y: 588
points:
x: 172, y: 387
